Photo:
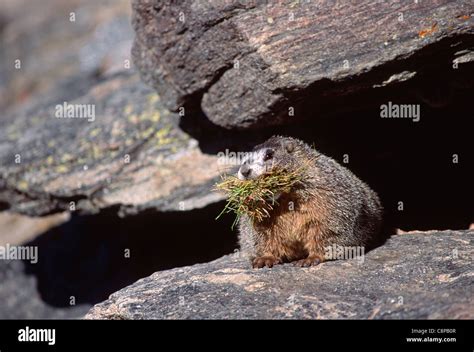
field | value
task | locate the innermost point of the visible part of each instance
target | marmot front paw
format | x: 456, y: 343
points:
x: 266, y: 260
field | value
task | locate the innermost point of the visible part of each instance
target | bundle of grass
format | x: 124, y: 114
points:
x: 257, y: 197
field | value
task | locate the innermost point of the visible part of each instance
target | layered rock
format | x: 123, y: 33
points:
x: 253, y: 64
x: 130, y: 154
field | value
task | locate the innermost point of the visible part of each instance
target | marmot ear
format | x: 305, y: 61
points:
x: 290, y: 146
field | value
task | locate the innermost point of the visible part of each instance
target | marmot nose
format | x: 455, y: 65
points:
x: 245, y: 170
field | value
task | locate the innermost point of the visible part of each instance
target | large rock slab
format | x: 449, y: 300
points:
x: 250, y: 64
x: 131, y: 155
x: 58, y: 49
x: 413, y: 276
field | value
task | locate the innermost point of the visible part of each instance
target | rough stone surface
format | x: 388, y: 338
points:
x: 413, y: 276
x: 132, y: 156
x: 59, y: 56
x: 21, y: 299
x: 47, y: 162
x: 246, y: 63
x: 17, y: 229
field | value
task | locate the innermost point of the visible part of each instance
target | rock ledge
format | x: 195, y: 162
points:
x: 424, y: 275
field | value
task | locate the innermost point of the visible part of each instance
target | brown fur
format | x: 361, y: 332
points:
x: 291, y: 234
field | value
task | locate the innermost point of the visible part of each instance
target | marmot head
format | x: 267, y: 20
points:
x: 284, y: 152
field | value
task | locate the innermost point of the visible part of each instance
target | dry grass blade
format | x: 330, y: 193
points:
x: 256, y: 198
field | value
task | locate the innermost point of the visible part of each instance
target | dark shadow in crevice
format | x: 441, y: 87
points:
x: 87, y: 257
x: 4, y: 206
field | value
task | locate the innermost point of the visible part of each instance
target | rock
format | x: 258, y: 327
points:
x: 56, y: 50
x: 21, y: 299
x: 253, y: 64
x: 131, y: 155
x: 413, y: 276
x: 17, y: 229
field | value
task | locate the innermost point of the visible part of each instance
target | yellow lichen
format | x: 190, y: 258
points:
x: 60, y: 169
x: 128, y: 109
x: 148, y: 132
x: 23, y: 185
x: 66, y: 158
x: 94, y: 132
x: 13, y: 135
x: 162, y: 136
x: 153, y: 98
x: 155, y: 116
x: 133, y: 119
x: 96, y: 152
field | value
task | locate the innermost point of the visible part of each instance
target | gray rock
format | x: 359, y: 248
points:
x: 132, y: 156
x: 21, y: 299
x: 247, y: 63
x: 60, y: 56
x: 413, y: 276
x: 17, y: 229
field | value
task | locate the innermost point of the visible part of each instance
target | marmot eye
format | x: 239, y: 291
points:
x: 268, y: 155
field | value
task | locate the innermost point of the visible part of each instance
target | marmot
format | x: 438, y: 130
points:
x: 331, y: 206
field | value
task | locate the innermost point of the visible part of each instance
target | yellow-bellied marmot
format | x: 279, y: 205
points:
x: 330, y: 207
